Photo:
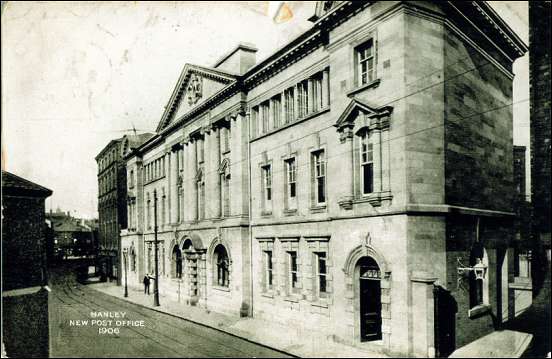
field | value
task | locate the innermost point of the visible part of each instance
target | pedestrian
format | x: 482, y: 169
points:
x: 146, y: 284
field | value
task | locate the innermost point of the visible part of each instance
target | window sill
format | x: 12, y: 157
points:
x: 479, y: 310
x: 292, y: 299
x: 321, y: 303
x: 360, y: 88
x: 374, y: 198
x: 319, y: 208
x: 220, y: 288
x: 266, y: 213
x: 268, y: 295
x: 290, y: 212
x: 289, y: 124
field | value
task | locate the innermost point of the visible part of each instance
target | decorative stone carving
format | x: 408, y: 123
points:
x: 194, y: 92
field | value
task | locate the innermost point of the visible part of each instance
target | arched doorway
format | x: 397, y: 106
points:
x: 368, y: 274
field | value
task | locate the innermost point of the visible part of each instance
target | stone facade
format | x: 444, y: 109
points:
x: 338, y: 185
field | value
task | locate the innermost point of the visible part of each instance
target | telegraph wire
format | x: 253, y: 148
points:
x: 332, y: 121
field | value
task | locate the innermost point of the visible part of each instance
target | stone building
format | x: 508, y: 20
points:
x: 24, y: 271
x: 112, y: 198
x: 539, y: 93
x: 357, y: 183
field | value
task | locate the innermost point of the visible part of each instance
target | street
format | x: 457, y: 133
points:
x: 74, y: 332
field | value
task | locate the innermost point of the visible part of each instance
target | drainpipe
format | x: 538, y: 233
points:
x: 249, y: 215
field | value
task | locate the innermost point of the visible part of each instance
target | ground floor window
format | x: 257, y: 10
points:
x: 222, y: 266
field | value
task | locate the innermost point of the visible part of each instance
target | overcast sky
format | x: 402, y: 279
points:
x: 76, y: 75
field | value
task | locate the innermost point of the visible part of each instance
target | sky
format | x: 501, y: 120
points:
x: 77, y: 74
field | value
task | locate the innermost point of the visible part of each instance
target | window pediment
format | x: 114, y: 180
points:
x: 359, y: 115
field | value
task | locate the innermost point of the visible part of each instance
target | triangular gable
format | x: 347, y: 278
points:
x: 357, y: 107
x: 195, y: 85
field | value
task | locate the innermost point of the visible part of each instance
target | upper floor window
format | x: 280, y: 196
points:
x: 317, y: 99
x: 319, y: 172
x: 276, y: 111
x: 201, y: 151
x: 302, y: 98
x: 365, y: 57
x: 131, y: 179
x: 267, y: 186
x: 255, y: 126
x: 366, y: 163
x: 264, y: 112
x: 289, y: 108
x: 225, y: 139
x: 291, y: 182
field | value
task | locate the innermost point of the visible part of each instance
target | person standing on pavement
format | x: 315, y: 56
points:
x: 146, y: 284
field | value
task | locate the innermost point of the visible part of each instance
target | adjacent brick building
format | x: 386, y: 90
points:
x: 24, y: 271
x: 112, y: 199
x: 348, y: 184
x: 539, y: 81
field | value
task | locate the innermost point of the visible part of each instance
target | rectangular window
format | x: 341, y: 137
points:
x: 321, y: 274
x: 302, y: 98
x: 365, y: 62
x: 267, y: 180
x: 291, y: 179
x: 367, y: 164
x: 265, y: 115
x: 201, y: 151
x: 289, y: 101
x: 319, y: 177
x: 317, y: 103
x: 131, y: 179
x: 293, y: 276
x: 268, y: 270
x: 255, y: 125
x: 276, y: 111
x: 226, y: 139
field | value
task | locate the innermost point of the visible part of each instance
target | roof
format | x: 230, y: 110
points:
x: 107, y: 147
x: 15, y: 185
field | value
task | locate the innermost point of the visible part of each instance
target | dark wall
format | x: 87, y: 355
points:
x: 539, y: 80
x: 478, y: 130
x: 23, y: 242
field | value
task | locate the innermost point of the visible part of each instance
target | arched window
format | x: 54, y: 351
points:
x: 176, y: 262
x: 222, y: 264
x: 479, y: 284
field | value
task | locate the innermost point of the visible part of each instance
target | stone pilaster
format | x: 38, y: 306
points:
x: 422, y: 311
x: 347, y: 166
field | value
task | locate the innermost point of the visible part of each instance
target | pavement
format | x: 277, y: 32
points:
x: 255, y: 330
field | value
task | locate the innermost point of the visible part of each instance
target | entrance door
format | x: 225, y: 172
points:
x: 370, y: 300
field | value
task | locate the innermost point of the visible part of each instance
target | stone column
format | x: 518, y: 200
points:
x: 173, y: 185
x: 191, y: 185
x: 376, y: 145
x: 423, y: 315
x: 385, y: 161
x: 215, y: 155
x: 347, y: 168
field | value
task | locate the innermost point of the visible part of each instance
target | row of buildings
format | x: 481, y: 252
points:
x: 359, y: 182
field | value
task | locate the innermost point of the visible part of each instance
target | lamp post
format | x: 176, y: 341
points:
x: 156, y: 284
x: 126, y: 272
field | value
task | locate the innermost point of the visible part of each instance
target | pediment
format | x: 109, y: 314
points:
x: 360, y: 111
x: 195, y: 85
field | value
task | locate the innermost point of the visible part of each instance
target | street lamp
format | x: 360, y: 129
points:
x: 156, y: 284
x: 126, y: 272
